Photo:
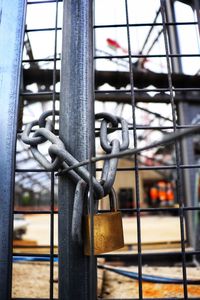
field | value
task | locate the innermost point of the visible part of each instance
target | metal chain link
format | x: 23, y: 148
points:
x: 64, y: 162
x: 61, y: 159
x: 114, y: 146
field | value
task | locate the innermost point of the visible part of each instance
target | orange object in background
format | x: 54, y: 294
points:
x: 153, y: 194
x: 162, y: 195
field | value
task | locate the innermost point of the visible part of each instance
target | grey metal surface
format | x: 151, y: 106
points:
x: 183, y: 111
x: 188, y: 114
x: 12, y: 16
x: 76, y: 111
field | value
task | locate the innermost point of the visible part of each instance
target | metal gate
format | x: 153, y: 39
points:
x: 127, y: 63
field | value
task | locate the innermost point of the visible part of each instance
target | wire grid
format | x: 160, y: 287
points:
x: 43, y: 179
x: 133, y: 95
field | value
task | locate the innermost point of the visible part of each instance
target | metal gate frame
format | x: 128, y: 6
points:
x: 12, y: 18
x: 77, y: 117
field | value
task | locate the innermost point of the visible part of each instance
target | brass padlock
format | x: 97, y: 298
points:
x: 108, y: 230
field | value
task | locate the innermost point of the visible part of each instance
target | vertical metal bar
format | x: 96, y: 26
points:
x: 12, y: 16
x: 173, y: 37
x: 183, y: 110
x: 76, y: 110
x: 177, y: 152
x: 137, y: 188
x: 51, y: 287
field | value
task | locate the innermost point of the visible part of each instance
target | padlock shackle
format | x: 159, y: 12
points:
x: 113, y: 200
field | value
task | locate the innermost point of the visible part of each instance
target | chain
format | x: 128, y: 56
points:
x: 62, y: 160
x: 113, y: 147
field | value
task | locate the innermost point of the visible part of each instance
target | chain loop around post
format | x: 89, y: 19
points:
x: 62, y: 159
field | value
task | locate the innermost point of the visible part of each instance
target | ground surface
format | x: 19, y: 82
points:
x: 32, y: 279
x: 117, y: 286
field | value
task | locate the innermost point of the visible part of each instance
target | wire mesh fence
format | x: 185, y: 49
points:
x: 145, y: 66
x: 36, y: 189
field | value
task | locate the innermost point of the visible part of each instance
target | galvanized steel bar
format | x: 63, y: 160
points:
x: 12, y: 16
x: 76, y: 111
x: 183, y: 110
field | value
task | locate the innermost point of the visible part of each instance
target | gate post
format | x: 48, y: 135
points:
x: 12, y: 16
x: 77, y: 132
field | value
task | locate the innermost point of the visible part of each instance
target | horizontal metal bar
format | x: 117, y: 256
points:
x: 43, y: 29
x: 34, y: 212
x: 33, y: 247
x: 125, y: 98
x: 144, y: 24
x: 173, y: 167
x: 120, y: 98
x: 128, y: 210
x: 147, y: 55
x: 162, y: 167
x: 40, y: 60
x: 159, y: 90
x: 127, y: 91
x: 34, y: 254
x: 170, y: 167
x: 146, y: 127
x: 116, y: 56
x: 125, y: 210
x: 37, y: 94
x: 160, y: 209
x: 139, y: 127
x: 152, y: 168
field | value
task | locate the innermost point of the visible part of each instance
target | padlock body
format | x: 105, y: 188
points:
x: 108, y: 233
